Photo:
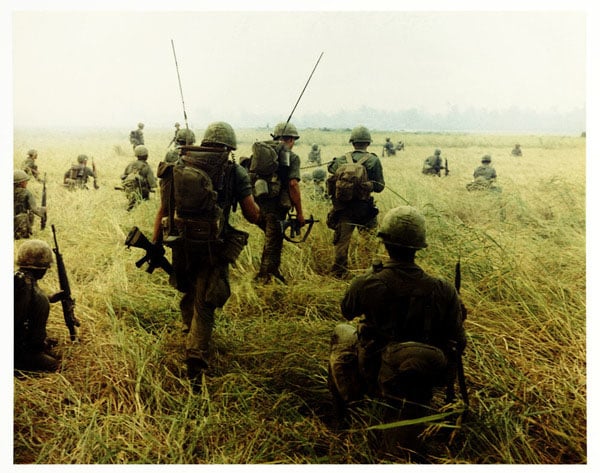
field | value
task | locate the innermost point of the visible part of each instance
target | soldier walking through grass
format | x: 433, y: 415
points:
x: 78, y: 174
x: 350, y: 188
x: 138, y: 178
x: 197, y: 196
x: 30, y: 166
x: 25, y: 206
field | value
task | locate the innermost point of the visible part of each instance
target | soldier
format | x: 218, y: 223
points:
x: 136, y: 137
x: 410, y: 332
x: 318, y: 177
x: 516, y: 151
x: 174, y: 139
x: 275, y: 208
x: 24, y: 206
x: 433, y: 164
x: 314, y: 156
x: 353, y: 204
x: 32, y: 349
x: 484, y: 176
x: 184, y: 137
x: 400, y: 146
x: 388, y: 148
x: 77, y: 176
x: 196, y: 227
x: 30, y: 166
x: 138, y: 178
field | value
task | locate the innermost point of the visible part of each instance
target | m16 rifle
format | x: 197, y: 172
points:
x: 155, y: 253
x: 294, y: 233
x: 68, y: 303
x: 44, y: 217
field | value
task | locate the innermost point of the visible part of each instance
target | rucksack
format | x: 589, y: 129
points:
x: 350, y: 181
x: 134, y: 181
x: 264, y: 165
x: 197, y: 178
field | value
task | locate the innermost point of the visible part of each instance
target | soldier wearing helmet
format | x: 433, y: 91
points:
x: 136, y: 137
x: 388, y: 148
x: 174, y: 139
x: 276, y: 205
x: 359, y: 211
x: 24, y: 206
x: 30, y: 166
x: 314, y: 156
x: 484, y: 176
x: 78, y: 174
x: 433, y: 164
x: 193, y: 220
x: 138, y: 178
x: 32, y: 348
x: 516, y: 151
x: 410, y: 326
x: 184, y: 137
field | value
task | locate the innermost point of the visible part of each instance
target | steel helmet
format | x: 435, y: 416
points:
x: 177, y: 125
x: 32, y: 152
x: 34, y: 254
x: 437, y: 152
x: 140, y: 125
x: 220, y: 133
x: 82, y: 158
x: 319, y: 174
x: 186, y: 136
x: 360, y: 134
x: 403, y: 226
x: 486, y: 159
x: 20, y: 176
x: 284, y: 130
x: 140, y: 150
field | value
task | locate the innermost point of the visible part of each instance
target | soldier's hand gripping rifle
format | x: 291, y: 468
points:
x: 294, y: 233
x: 155, y: 253
x: 458, y: 356
x: 44, y: 217
x: 68, y: 303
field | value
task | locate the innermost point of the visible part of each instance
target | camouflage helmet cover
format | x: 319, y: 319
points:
x: 34, y: 254
x: 486, y: 159
x: 32, y: 152
x: 319, y: 174
x: 315, y: 146
x: 140, y: 125
x: 140, y: 150
x: 360, y: 134
x: 220, y: 133
x: 403, y: 226
x: 284, y: 129
x: 437, y: 152
x: 177, y: 125
x: 20, y: 176
x: 82, y: 158
x: 186, y: 136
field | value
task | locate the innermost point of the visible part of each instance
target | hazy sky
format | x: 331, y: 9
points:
x: 79, y: 68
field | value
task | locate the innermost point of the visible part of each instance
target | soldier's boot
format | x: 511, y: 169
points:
x: 196, y: 367
x: 37, y: 361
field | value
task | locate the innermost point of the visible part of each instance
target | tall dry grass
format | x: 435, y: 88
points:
x: 121, y: 396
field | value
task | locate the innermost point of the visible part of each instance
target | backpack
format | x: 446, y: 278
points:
x: 350, y: 181
x: 264, y: 165
x: 197, y: 179
x: 134, y: 181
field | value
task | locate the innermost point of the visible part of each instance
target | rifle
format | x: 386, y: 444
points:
x: 155, y: 253
x: 446, y: 170
x: 460, y: 368
x: 295, y: 229
x: 44, y: 218
x: 68, y: 303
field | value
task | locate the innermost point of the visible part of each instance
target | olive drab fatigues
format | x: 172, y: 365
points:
x: 136, y: 137
x: 201, y: 268
x: 32, y: 308
x: 31, y: 168
x: 77, y: 176
x: 409, y: 314
x: 24, y: 209
x: 138, y: 180
x: 344, y: 217
x: 484, y: 178
x: 432, y: 165
x: 274, y: 210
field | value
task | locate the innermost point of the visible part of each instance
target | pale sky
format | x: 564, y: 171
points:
x: 115, y: 68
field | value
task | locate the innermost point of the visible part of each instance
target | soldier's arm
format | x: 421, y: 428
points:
x: 377, y: 176
x: 296, y: 198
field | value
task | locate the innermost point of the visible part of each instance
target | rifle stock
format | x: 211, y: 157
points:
x: 155, y: 253
x: 67, y: 302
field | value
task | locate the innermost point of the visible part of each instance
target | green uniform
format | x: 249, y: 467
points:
x: 138, y: 180
x: 433, y: 165
x: 24, y: 209
x: 136, y: 137
x: 201, y: 270
x: 77, y: 176
x: 361, y: 214
x: 31, y: 168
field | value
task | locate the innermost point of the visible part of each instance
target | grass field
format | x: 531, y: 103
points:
x: 121, y: 396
